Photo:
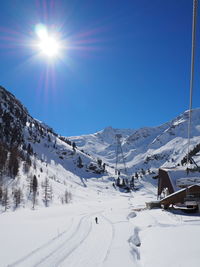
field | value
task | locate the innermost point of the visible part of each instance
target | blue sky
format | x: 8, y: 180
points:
x: 128, y: 64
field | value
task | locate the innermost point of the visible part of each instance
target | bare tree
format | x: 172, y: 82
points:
x: 47, y: 192
x: 67, y: 196
x: 5, y: 199
x: 17, y: 197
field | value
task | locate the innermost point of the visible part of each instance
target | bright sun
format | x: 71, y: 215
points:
x: 48, y: 45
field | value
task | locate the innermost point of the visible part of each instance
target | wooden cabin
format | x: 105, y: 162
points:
x: 185, y: 195
x: 176, y: 186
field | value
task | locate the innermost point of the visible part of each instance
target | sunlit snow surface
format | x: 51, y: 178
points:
x: 148, y: 147
x: 126, y: 235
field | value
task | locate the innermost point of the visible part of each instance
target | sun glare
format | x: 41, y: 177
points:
x: 49, y: 47
x: 47, y: 44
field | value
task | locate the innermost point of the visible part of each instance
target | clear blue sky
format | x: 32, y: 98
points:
x: 128, y: 64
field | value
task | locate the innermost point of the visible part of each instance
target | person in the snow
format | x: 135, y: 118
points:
x: 96, y: 220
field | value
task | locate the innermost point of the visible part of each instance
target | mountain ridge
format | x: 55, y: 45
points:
x: 30, y: 149
x: 32, y: 153
x: 163, y: 145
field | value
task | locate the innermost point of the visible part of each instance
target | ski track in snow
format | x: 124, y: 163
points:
x: 111, y: 241
x: 65, y: 252
x: 121, y: 238
x: 32, y: 253
x: 102, y: 242
x: 61, y: 247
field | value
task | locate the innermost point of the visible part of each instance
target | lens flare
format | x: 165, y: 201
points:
x: 41, y: 31
x: 47, y: 44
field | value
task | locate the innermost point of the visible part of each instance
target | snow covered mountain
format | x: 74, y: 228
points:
x: 29, y: 149
x: 147, y: 148
x: 127, y: 233
x: 31, y: 153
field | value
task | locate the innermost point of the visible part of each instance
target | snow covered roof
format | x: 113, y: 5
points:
x: 180, y: 177
x: 179, y: 191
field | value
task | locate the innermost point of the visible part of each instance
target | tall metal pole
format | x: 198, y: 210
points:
x: 195, y: 2
x: 119, y: 152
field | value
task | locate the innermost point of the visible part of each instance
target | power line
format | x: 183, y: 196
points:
x: 194, y: 18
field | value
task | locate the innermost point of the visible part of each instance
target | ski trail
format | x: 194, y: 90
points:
x: 59, y: 255
x: 74, y: 247
x: 111, y: 241
x: 56, y: 250
x: 53, y: 245
x: 93, y: 251
x: 66, y: 247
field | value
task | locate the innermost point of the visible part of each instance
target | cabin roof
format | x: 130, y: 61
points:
x: 177, y: 174
x: 180, y: 194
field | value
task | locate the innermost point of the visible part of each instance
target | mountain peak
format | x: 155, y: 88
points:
x: 147, y: 147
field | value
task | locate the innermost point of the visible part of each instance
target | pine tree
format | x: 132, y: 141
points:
x: 24, y: 147
x: 49, y: 138
x: 1, y: 194
x: 3, y: 158
x: 79, y: 163
x: 13, y: 163
x: 123, y: 182
x: 118, y: 182
x: 143, y: 172
x: 74, y: 146
x: 99, y: 162
x: 132, y: 184
x: 104, y: 167
x: 34, y: 190
x: 54, y: 145
x: 30, y: 149
x: 27, y: 163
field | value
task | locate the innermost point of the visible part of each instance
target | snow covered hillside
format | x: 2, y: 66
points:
x: 37, y: 166
x: 126, y: 234
x: 145, y: 149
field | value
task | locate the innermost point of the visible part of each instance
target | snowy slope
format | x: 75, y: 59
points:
x: 66, y: 235
x: 145, y: 148
x: 126, y: 234
x: 42, y: 153
x: 30, y: 148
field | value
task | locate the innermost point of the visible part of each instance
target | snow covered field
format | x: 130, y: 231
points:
x: 126, y: 235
